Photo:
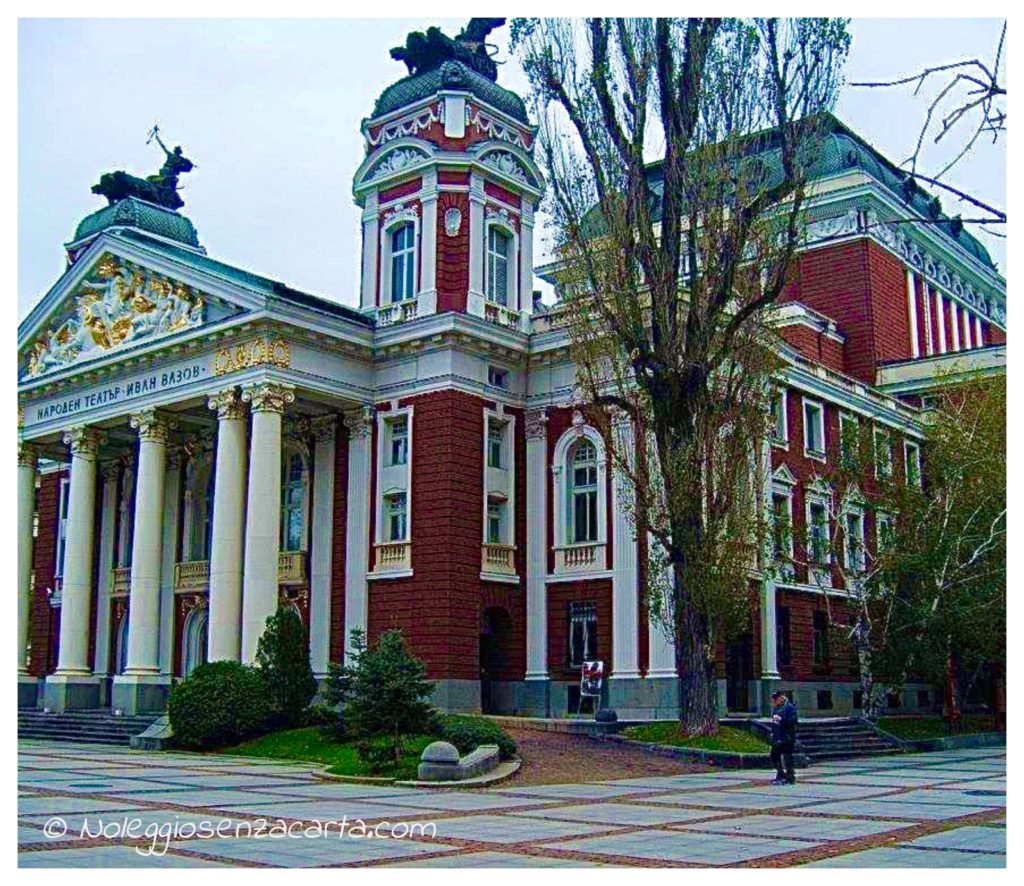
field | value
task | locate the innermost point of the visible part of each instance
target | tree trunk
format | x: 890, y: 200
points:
x: 698, y: 691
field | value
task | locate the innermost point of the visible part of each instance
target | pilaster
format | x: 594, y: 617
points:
x: 359, y: 423
x: 324, y: 429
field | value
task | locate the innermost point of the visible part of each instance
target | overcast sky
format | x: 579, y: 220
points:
x: 270, y: 112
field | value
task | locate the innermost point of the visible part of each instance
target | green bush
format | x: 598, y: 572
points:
x: 219, y: 704
x: 468, y: 733
x: 282, y: 657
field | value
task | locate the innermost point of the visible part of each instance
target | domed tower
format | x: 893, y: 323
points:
x: 448, y: 188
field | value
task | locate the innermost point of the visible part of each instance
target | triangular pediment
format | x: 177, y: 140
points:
x: 114, y: 304
x: 784, y: 476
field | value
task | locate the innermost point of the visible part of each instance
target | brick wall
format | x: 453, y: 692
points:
x: 452, y: 254
x: 841, y: 665
x: 559, y: 596
x: 44, y: 621
x: 337, y: 633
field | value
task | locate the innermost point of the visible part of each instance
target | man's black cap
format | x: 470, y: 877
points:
x: 778, y: 693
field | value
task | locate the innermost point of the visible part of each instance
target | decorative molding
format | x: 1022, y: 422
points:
x: 153, y: 426
x: 263, y: 351
x: 536, y: 424
x: 505, y: 163
x: 268, y: 396
x: 27, y: 455
x: 359, y: 421
x: 487, y: 125
x: 410, y: 125
x: 227, y: 404
x: 323, y: 427
x: 453, y: 221
x: 396, y: 161
x: 84, y: 441
x: 400, y: 213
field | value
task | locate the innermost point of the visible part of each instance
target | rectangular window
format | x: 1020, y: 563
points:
x: 582, y: 633
x: 883, y: 454
x: 62, y: 525
x: 396, y: 515
x: 495, y: 523
x: 853, y: 532
x: 849, y: 441
x: 782, y: 529
x: 495, y: 444
x: 824, y: 699
x: 912, y: 462
x: 780, y: 429
x: 782, y: 647
x: 497, y: 266
x: 398, y: 442
x: 814, y: 429
x: 403, y: 263
x: 884, y: 529
x: 497, y: 377
x: 818, y: 530
x: 820, y: 639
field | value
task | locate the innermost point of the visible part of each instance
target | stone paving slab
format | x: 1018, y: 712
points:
x: 621, y: 813
x: 669, y: 782
x: 463, y: 801
x: 813, y: 790
x: 682, y: 847
x: 988, y: 798
x: 728, y: 800
x: 798, y: 827
x: 335, y: 790
x: 879, y: 780
x: 306, y: 853
x: 905, y: 857
x: 140, y: 819
x: 493, y: 860
x: 577, y: 791
x: 327, y: 810
x: 64, y: 805
x: 107, y: 857
x: 509, y: 829
x: 895, y: 810
x: 192, y: 798
x: 972, y: 839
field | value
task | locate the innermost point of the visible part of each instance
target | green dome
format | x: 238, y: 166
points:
x: 134, y: 213
x: 451, y: 75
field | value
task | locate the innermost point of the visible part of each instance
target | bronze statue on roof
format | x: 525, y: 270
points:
x: 427, y: 51
x: 160, y: 189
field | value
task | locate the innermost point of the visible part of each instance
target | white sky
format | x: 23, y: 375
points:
x: 270, y: 112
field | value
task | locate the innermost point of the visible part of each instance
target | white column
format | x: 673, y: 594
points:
x: 979, y: 338
x: 915, y: 348
x: 263, y: 511
x: 322, y: 542
x: 954, y: 323
x: 926, y: 302
x: 475, y: 297
x: 940, y: 314
x: 661, y: 650
x: 371, y: 225
x: 169, y: 546
x: 104, y: 572
x: 427, y: 298
x: 147, y: 546
x: 73, y: 653
x: 536, y: 546
x: 359, y: 423
x: 966, y: 319
x: 625, y: 605
x: 225, y: 612
x: 26, y: 514
x: 525, y: 303
x: 769, y: 652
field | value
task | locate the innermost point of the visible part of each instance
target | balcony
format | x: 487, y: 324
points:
x: 501, y: 316
x: 192, y: 575
x: 498, y: 559
x: 291, y: 567
x: 393, y: 556
x: 580, y: 558
x: 121, y: 582
x: 399, y: 312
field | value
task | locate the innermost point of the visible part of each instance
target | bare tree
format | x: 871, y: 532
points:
x: 678, y: 155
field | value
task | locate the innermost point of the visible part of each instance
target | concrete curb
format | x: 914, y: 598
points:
x: 501, y: 772
x: 724, y: 759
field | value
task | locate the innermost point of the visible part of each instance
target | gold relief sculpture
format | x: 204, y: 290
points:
x: 264, y: 351
x: 116, y: 304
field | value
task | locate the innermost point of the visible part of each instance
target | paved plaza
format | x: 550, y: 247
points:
x: 92, y: 806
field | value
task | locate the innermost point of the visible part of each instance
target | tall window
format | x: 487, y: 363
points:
x: 583, y: 493
x: 396, y: 517
x: 497, y: 265
x: 292, y: 504
x: 820, y: 639
x: 912, y: 460
x: 495, y: 523
x: 781, y: 526
x: 818, y: 529
x: 883, y: 454
x: 495, y: 443
x: 403, y: 262
x: 814, y: 429
x: 782, y: 647
x: 398, y: 448
x: 780, y: 430
x: 853, y: 532
x: 62, y: 525
x: 849, y: 442
x: 582, y: 633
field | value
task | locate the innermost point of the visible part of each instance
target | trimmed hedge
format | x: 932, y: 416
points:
x: 220, y: 703
x: 468, y: 733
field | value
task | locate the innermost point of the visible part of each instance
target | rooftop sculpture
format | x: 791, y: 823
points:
x: 161, y: 189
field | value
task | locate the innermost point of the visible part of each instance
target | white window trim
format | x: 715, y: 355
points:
x: 816, y: 454
x: 844, y: 418
x: 879, y: 473
x: 909, y: 445
x: 856, y: 511
x: 394, y: 219
x: 784, y: 490
x: 62, y: 529
x: 382, y: 419
x: 290, y: 448
x: 819, y: 574
x: 560, y: 487
x: 508, y: 450
x: 782, y: 442
x: 497, y: 219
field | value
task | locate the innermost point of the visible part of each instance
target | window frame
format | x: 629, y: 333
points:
x: 561, y: 499
x: 61, y: 545
x: 288, y: 456
x: 390, y: 514
x: 853, y: 560
x: 394, y: 219
x: 502, y: 219
x: 781, y: 416
x: 908, y: 446
x: 492, y: 257
x: 584, y: 613
x: 809, y: 452
x: 846, y: 418
x: 819, y: 632
x: 393, y: 479
x: 499, y: 483
x: 586, y: 492
x: 819, y: 571
x: 883, y: 469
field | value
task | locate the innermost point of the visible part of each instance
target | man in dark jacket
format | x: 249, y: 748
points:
x: 783, y: 738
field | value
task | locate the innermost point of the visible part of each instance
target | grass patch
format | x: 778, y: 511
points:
x: 314, y: 744
x: 934, y: 726
x: 729, y: 738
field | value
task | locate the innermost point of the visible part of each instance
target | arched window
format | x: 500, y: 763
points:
x: 293, y: 503
x: 497, y: 265
x: 198, y: 509
x: 403, y: 262
x: 194, y: 641
x: 582, y: 515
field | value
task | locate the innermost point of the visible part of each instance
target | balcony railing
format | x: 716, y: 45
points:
x: 192, y: 575
x: 498, y: 559
x: 501, y: 316
x: 394, y: 556
x: 291, y: 567
x: 122, y: 580
x: 580, y: 558
x: 399, y: 312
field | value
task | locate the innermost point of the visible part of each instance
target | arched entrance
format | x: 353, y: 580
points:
x: 495, y: 634
x: 194, y: 641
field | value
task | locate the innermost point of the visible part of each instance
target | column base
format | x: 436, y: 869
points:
x: 766, y: 686
x: 68, y: 692
x: 536, y: 697
x: 644, y: 698
x: 28, y: 691
x: 457, y: 696
x: 140, y: 693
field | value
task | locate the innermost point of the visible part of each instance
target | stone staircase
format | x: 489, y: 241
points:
x: 83, y: 727
x: 837, y: 738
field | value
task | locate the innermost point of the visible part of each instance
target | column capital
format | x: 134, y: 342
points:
x: 109, y: 467
x: 84, y: 441
x: 227, y: 404
x: 152, y: 424
x: 359, y: 421
x: 536, y: 424
x: 176, y: 457
x: 324, y: 427
x: 268, y: 396
x: 27, y: 455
